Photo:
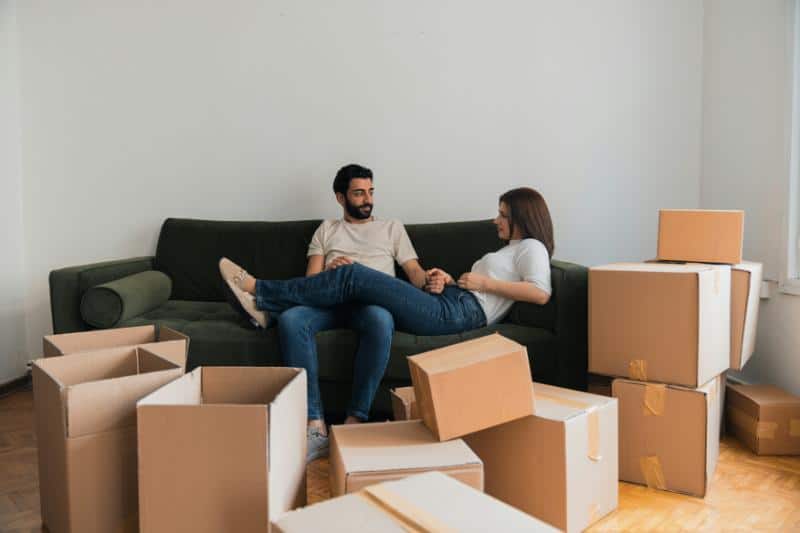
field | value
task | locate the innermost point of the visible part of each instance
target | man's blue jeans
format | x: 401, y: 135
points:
x: 414, y: 311
x: 298, y: 327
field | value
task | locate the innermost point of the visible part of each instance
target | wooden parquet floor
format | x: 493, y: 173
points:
x: 748, y: 493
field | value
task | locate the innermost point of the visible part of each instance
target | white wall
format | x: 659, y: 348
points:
x: 133, y: 112
x: 12, y: 280
x: 746, y: 114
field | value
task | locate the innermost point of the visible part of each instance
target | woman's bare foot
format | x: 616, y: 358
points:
x: 352, y: 420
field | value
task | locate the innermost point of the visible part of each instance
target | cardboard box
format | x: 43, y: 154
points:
x: 668, y: 323
x: 745, y: 289
x: 599, y: 385
x: 765, y: 418
x: 366, y: 454
x: 404, y: 405
x: 85, y: 416
x: 700, y: 235
x: 86, y: 341
x: 559, y: 464
x: 472, y: 385
x: 668, y: 435
x: 222, y: 449
x: 430, y: 502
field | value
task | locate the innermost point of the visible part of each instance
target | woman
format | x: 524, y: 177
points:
x: 520, y: 271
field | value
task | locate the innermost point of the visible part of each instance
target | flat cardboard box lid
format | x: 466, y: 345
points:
x: 389, y: 446
x: 430, y: 502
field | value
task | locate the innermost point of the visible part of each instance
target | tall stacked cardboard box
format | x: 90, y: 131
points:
x: 667, y: 331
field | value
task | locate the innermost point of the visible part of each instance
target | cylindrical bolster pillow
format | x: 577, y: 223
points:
x: 106, y: 305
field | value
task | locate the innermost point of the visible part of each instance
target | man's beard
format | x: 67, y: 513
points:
x: 362, y: 212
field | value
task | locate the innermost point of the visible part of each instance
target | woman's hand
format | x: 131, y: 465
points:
x: 472, y: 281
x: 339, y: 261
x: 436, y: 279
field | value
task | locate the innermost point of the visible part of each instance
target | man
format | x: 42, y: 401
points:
x: 356, y: 237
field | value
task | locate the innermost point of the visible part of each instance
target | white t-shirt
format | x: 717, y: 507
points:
x: 376, y: 244
x: 520, y: 260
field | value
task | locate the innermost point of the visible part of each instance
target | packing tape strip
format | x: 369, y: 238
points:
x: 652, y: 472
x: 654, y: 399
x: 794, y: 427
x: 409, y: 515
x: 637, y: 369
x: 592, y: 422
x: 762, y: 430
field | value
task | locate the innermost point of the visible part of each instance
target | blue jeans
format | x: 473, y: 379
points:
x: 297, y: 328
x: 414, y: 311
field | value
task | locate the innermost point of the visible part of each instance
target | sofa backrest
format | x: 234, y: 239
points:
x: 188, y: 250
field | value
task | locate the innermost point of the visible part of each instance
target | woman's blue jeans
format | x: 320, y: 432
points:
x: 357, y: 296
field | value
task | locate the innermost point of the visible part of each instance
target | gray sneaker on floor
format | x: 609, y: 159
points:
x: 317, y: 444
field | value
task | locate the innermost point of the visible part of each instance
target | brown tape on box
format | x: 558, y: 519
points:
x: 637, y: 369
x: 653, y: 403
x: 794, y: 427
x: 592, y: 423
x: 652, y: 472
x: 762, y: 430
x: 410, y: 516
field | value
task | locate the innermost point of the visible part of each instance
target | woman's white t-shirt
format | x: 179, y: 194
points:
x: 520, y: 260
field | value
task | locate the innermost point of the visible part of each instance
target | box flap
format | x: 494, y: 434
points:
x: 91, y: 366
x: 383, y: 446
x: 245, y: 385
x: 186, y: 390
x: 103, y: 405
x: 287, y: 440
x: 84, y: 341
x: 745, y: 302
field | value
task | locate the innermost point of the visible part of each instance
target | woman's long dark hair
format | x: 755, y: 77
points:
x: 529, y: 213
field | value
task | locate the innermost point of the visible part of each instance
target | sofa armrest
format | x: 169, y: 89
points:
x: 67, y: 286
x: 571, y: 291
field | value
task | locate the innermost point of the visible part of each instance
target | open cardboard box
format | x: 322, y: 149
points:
x: 366, y: 454
x: 667, y: 323
x: 668, y: 435
x: 86, y: 341
x: 85, y: 412
x: 472, y: 385
x: 429, y: 502
x: 559, y: 464
x: 222, y: 449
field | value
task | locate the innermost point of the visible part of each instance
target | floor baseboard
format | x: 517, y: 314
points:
x: 20, y: 383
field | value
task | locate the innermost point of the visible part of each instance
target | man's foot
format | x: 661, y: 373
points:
x: 318, y: 444
x: 233, y: 300
x: 237, y: 275
x: 246, y: 302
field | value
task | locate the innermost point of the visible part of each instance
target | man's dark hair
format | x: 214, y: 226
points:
x: 342, y: 180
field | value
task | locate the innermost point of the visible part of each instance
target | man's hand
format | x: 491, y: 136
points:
x: 436, y: 279
x: 473, y: 282
x: 339, y: 261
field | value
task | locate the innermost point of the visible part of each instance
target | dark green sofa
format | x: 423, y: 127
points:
x: 188, y: 252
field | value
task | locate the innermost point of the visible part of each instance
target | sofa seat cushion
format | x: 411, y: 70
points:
x: 219, y: 336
